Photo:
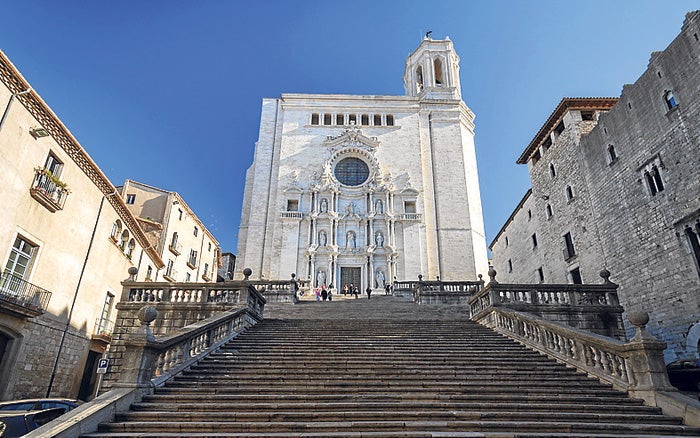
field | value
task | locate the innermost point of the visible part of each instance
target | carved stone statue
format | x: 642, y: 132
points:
x: 350, y: 241
x: 320, y: 278
x: 379, y: 206
x: 324, y: 205
x: 322, y: 238
x: 351, y: 208
x: 379, y: 238
x: 381, y: 280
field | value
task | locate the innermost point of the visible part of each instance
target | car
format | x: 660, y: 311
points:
x: 16, y: 423
x: 37, y: 404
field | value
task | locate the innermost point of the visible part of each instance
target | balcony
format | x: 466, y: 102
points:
x: 21, y: 297
x: 48, y: 190
x: 292, y: 215
x: 103, y: 330
x: 175, y: 248
x: 170, y: 275
x: 206, y: 276
x: 192, y: 263
x: 411, y: 216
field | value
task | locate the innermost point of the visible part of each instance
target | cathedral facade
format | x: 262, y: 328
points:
x: 367, y: 189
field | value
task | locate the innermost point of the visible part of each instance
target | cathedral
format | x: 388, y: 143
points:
x: 367, y: 189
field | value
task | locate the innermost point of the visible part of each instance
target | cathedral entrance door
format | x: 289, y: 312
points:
x: 351, y: 275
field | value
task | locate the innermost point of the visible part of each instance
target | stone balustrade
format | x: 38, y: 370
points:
x: 592, y: 307
x: 445, y: 292
x: 188, y: 319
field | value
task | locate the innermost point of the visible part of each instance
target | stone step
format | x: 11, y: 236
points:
x: 395, y: 415
x: 216, y: 405
x: 476, y: 425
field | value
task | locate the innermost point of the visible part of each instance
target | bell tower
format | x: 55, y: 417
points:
x: 432, y: 71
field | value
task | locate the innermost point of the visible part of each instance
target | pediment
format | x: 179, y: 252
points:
x: 351, y: 136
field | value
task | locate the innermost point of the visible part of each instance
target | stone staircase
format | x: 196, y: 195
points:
x: 384, y: 368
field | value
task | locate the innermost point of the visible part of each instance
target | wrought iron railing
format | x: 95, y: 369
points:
x: 15, y: 290
x: 49, y: 190
x: 103, y: 327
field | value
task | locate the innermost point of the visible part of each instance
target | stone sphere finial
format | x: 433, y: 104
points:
x: 638, y: 318
x: 246, y: 273
x: 293, y: 275
x: 605, y: 274
x: 147, y: 314
x: 132, y: 273
x: 492, y: 275
x: 420, y: 277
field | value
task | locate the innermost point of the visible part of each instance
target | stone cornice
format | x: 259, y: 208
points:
x: 35, y: 105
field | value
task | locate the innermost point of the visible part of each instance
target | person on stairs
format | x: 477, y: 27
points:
x: 369, y: 292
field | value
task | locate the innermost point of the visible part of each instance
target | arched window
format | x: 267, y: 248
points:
x: 419, y: 78
x: 549, y: 211
x: 612, y: 155
x: 437, y: 63
x: 130, y: 249
x: 552, y: 170
x: 116, y: 230
x: 654, y: 181
x: 174, y: 241
x: 125, y: 238
x: 314, y: 119
x: 670, y: 100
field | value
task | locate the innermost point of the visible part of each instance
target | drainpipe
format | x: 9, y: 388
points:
x: 9, y: 104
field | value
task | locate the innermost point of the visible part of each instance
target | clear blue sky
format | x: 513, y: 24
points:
x: 168, y: 92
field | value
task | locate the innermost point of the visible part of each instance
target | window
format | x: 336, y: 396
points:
x: 540, y: 274
x: 21, y: 257
x: 314, y: 119
x: 389, y: 120
x: 510, y: 265
x: 377, y: 120
x: 693, y: 236
x: 549, y: 211
x: 103, y: 325
x: 534, y: 241
x: 587, y: 115
x: 192, y: 261
x: 438, y: 72
x: 552, y: 170
x: 174, y: 240
x: 53, y: 165
x: 547, y: 143
x: 529, y: 215
x: 569, y: 250
x: 169, y: 272
x: 365, y: 119
x: 560, y: 128
x: 209, y: 246
x: 575, y: 276
x: 196, y: 231
x: 149, y: 272
x: 292, y: 205
x: 536, y: 157
x: 179, y: 214
x: 569, y: 193
x: 409, y: 206
x: 124, y: 240
x: 327, y: 119
x: 188, y: 277
x: 419, y: 79
x: 130, y: 199
x: 612, y: 155
x: 507, y: 243
x: 670, y: 100
x: 206, y: 270
x: 340, y: 119
x: 130, y: 248
x: 116, y: 230
x: 351, y: 171
x: 654, y: 181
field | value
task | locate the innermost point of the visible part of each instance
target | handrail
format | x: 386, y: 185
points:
x: 15, y: 290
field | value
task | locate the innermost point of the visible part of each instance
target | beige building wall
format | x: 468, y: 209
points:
x: 78, y: 254
x: 188, y: 249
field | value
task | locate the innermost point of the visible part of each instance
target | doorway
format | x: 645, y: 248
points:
x: 351, y: 275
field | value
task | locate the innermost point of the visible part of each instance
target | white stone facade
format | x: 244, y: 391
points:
x: 366, y: 189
